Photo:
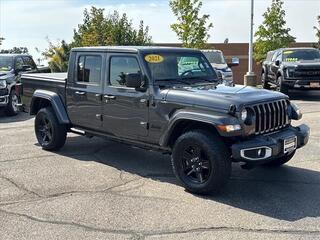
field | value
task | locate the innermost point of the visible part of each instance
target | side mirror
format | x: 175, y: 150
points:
x: 23, y: 68
x: 277, y: 63
x: 234, y: 62
x: 133, y: 80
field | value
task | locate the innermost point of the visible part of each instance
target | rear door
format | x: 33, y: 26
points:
x: 84, y: 90
x: 125, y: 110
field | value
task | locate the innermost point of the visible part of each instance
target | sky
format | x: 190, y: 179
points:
x: 29, y: 23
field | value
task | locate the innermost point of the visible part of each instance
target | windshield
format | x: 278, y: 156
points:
x: 175, y: 66
x: 301, y: 55
x: 215, y: 57
x: 6, y: 63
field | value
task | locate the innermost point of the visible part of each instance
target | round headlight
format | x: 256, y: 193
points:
x: 244, y: 114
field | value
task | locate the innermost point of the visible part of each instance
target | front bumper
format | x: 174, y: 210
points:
x: 271, y: 146
x: 307, y: 84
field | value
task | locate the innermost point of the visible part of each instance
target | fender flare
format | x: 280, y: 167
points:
x: 56, y: 104
x: 212, y: 119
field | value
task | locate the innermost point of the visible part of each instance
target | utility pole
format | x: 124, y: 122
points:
x: 250, y: 79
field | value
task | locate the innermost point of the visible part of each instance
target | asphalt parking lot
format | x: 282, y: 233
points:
x: 96, y: 189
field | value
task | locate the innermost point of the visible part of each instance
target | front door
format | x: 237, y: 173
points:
x: 125, y: 110
x: 84, y: 91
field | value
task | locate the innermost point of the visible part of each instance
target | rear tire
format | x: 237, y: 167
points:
x: 51, y: 135
x: 201, y: 162
x: 12, y: 107
x: 281, y: 160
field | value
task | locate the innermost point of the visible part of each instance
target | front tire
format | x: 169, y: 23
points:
x: 264, y: 81
x: 201, y: 161
x: 281, y: 160
x: 12, y: 107
x: 281, y: 87
x: 51, y: 135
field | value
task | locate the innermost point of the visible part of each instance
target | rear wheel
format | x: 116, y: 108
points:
x: 201, y: 162
x: 51, y: 135
x: 12, y: 107
x: 281, y: 160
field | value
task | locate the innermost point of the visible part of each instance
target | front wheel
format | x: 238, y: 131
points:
x: 12, y: 107
x: 264, y: 81
x: 281, y: 87
x: 51, y: 135
x: 201, y: 162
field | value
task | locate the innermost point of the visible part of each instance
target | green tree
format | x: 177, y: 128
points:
x: 191, y: 28
x: 272, y: 33
x: 99, y: 30
x: 317, y: 45
x: 18, y: 50
x: 58, y: 56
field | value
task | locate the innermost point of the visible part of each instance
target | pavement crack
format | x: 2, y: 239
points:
x: 73, y: 224
x: 21, y: 187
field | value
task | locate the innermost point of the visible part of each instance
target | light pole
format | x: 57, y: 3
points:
x: 250, y: 79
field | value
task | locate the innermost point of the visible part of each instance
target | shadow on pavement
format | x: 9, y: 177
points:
x: 306, y: 95
x: 286, y: 193
x: 22, y: 116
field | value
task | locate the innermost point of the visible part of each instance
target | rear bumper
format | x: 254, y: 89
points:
x: 271, y: 146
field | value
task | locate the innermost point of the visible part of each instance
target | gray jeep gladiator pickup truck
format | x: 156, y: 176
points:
x: 11, y: 68
x: 165, y: 99
x: 292, y: 68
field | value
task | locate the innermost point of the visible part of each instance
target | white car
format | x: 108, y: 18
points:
x: 218, y: 62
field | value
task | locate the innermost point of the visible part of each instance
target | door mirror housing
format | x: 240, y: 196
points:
x: 23, y: 68
x: 234, y: 62
x: 133, y: 80
x: 277, y: 63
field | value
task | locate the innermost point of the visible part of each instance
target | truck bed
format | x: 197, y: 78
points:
x: 55, y: 82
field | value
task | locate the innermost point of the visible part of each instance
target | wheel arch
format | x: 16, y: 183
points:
x: 184, y: 121
x: 44, y: 98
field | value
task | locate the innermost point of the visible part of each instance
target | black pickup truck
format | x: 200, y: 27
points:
x: 11, y: 68
x: 292, y: 68
x: 165, y: 99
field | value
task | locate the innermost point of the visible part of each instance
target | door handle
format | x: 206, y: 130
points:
x: 80, y: 93
x: 109, y: 97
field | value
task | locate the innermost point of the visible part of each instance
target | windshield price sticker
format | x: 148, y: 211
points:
x: 291, y: 59
x: 153, y: 58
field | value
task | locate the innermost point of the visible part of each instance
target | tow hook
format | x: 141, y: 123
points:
x: 247, y: 166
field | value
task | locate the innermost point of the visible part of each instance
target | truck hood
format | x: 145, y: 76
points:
x: 221, y: 96
x: 6, y: 75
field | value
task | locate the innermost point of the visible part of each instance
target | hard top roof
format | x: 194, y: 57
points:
x: 134, y: 49
x: 15, y: 55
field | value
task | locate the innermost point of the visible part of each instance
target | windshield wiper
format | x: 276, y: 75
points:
x: 173, y: 80
x: 202, y: 79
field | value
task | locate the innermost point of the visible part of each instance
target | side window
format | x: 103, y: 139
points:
x: 19, y: 63
x: 119, y: 67
x: 279, y: 57
x: 89, y: 69
x: 275, y: 54
x: 28, y: 61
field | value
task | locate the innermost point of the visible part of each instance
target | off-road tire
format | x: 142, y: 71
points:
x: 281, y: 160
x: 281, y: 87
x: 264, y: 81
x: 214, y: 152
x: 12, y: 108
x: 46, y: 122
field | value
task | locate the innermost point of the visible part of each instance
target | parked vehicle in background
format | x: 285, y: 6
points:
x: 11, y: 68
x: 165, y: 99
x: 218, y: 62
x: 291, y: 68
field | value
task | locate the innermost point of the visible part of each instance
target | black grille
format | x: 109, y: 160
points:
x: 271, y: 116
